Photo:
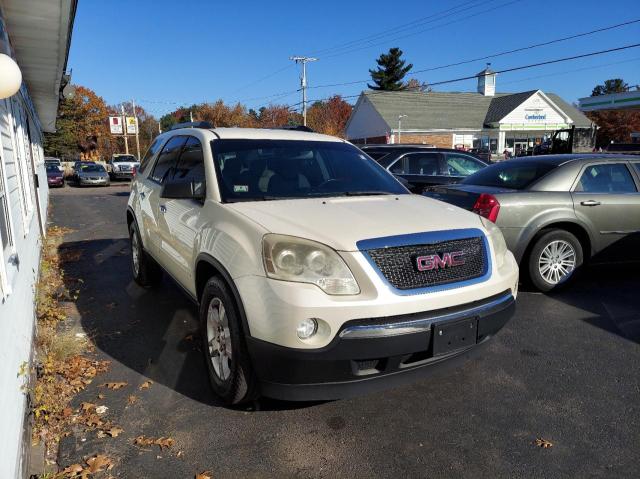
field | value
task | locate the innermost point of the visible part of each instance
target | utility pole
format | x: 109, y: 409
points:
x: 400, y: 117
x: 303, y: 83
x: 191, y: 116
x: 124, y: 129
x: 135, y: 115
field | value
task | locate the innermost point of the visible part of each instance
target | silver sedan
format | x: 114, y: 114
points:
x: 91, y: 174
x: 557, y: 212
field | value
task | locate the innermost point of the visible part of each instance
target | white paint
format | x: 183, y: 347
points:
x: 536, y: 110
x: 366, y: 122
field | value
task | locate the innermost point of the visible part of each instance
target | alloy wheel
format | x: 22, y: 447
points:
x: 135, y: 254
x: 557, y: 261
x: 219, y: 339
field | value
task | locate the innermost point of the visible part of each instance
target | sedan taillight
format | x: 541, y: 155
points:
x: 488, y: 206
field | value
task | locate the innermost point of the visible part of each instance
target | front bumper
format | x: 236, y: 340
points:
x: 373, y: 354
x: 122, y: 174
x: 100, y: 181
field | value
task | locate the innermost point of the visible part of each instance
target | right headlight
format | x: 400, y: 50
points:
x: 289, y: 258
x: 497, y: 240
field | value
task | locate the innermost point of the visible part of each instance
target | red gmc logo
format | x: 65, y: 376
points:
x: 434, y: 261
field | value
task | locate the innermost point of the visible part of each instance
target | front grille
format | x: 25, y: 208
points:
x: 398, y: 264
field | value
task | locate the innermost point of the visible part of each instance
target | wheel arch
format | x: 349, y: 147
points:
x: 207, y: 267
x: 576, y: 229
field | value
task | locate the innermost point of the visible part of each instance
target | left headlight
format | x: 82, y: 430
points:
x: 497, y: 240
x: 289, y: 258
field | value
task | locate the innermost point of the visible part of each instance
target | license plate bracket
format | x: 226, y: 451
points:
x: 452, y: 336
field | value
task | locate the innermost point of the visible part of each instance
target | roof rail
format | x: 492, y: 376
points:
x: 192, y: 124
x: 296, y: 128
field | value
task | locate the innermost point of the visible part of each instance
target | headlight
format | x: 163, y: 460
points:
x: 288, y: 258
x: 497, y: 240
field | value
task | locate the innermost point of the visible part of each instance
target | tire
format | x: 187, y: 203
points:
x: 230, y: 372
x: 146, y: 272
x: 555, y: 259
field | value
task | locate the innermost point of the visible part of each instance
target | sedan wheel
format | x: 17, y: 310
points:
x: 557, y: 261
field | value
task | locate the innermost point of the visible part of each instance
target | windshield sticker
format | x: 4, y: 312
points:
x: 241, y: 188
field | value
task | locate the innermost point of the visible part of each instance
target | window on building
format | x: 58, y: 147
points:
x: 167, y: 159
x: 606, y: 178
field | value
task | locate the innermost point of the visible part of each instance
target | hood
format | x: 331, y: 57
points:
x: 342, y: 222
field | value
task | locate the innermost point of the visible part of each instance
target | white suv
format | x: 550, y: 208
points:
x: 317, y: 274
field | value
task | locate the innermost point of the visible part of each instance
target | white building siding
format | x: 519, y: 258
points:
x: 19, y: 267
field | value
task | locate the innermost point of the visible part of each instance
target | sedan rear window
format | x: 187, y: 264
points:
x: 512, y: 174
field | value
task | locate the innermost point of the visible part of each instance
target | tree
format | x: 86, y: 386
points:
x: 82, y: 127
x: 329, y: 117
x: 390, y: 72
x: 614, y: 85
x: 416, y: 85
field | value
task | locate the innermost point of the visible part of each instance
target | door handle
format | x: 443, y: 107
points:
x: 590, y: 203
x: 163, y: 209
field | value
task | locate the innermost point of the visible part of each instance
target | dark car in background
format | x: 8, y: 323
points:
x: 421, y: 166
x: 55, y: 178
x: 558, y: 211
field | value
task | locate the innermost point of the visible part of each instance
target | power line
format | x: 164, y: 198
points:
x: 493, y: 55
x: 506, y: 70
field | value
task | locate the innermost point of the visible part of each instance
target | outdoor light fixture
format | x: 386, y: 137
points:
x: 10, y: 76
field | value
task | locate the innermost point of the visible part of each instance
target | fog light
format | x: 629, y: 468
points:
x: 307, y: 328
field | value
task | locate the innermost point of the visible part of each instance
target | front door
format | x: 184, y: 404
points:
x: 179, y: 217
x: 606, y: 198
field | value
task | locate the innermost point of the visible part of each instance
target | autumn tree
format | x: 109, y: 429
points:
x: 614, y: 126
x: 82, y: 127
x: 329, y: 117
x: 390, y: 72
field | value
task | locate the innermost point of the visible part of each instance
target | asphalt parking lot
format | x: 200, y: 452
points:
x: 565, y: 369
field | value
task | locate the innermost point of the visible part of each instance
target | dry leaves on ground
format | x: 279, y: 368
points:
x: 162, y: 442
x: 94, y: 464
x: 204, y: 475
x: 132, y: 399
x: 543, y: 443
x: 114, y: 385
x: 146, y: 385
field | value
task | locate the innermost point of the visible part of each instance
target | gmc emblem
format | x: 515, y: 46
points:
x: 435, y: 261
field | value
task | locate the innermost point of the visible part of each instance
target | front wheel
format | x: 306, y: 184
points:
x: 554, y: 260
x: 227, y: 360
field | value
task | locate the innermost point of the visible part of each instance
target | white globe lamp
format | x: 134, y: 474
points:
x: 10, y: 76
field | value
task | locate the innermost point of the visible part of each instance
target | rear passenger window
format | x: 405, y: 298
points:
x: 167, y: 159
x: 606, y: 178
x: 423, y: 164
x: 151, y: 152
x: 462, y: 165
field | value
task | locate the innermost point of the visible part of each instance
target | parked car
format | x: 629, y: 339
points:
x: 91, y: 174
x: 317, y: 274
x: 78, y: 164
x: 53, y: 161
x: 122, y: 166
x: 558, y: 211
x: 55, y: 178
x: 422, y: 167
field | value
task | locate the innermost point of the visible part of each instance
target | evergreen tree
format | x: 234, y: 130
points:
x: 614, y: 85
x: 391, y: 70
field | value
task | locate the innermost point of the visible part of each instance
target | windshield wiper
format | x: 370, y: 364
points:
x: 366, y: 193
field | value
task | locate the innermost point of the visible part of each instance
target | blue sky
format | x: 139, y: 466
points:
x: 165, y: 53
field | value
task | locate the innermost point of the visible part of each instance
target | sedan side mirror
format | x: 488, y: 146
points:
x: 183, y: 190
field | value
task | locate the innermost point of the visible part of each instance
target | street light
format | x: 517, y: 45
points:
x: 400, y: 117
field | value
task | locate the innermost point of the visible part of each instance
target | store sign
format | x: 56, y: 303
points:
x: 132, y: 125
x: 115, y: 125
x: 535, y: 116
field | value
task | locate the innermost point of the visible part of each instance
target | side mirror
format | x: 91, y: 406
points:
x: 10, y: 78
x: 183, y: 190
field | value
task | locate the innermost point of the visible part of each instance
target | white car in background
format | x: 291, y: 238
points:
x: 122, y: 166
x: 317, y: 274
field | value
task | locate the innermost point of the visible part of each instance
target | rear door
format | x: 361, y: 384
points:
x: 162, y: 169
x: 606, y: 198
x: 420, y: 169
x: 179, y: 217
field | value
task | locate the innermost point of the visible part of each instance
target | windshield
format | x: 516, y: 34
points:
x: 512, y: 174
x: 52, y: 169
x: 250, y: 170
x: 124, y: 158
x: 91, y: 168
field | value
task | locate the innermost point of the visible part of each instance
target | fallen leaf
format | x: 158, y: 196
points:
x: 101, y: 434
x: 73, y: 469
x: 162, y: 442
x: 114, y: 431
x: 115, y: 385
x: 66, y: 412
x: 101, y: 409
x: 203, y: 475
x: 143, y: 441
x: 99, y: 463
x: 100, y: 396
x: 543, y: 443
x: 145, y: 385
x: 87, y: 406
